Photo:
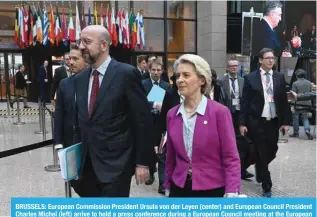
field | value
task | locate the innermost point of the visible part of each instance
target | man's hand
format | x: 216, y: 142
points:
x: 53, y: 102
x: 284, y: 128
x: 142, y: 174
x: 292, y: 95
x: 243, y: 130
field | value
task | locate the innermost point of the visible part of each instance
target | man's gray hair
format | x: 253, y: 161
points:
x: 201, y: 66
x: 232, y: 59
x: 270, y: 6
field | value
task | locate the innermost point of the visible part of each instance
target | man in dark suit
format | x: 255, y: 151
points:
x: 155, y: 69
x: 20, y: 86
x: 64, y: 109
x: 232, y: 85
x: 264, y: 35
x: 264, y: 110
x: 164, y: 75
x: 42, y: 79
x: 113, y: 120
x: 59, y: 74
x: 142, y: 67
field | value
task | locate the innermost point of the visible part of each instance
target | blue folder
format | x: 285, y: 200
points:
x: 70, y: 161
x: 156, y: 94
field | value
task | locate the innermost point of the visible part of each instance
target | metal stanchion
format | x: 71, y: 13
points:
x: 8, y: 108
x: 68, y: 191
x: 43, y: 122
x: 40, y: 119
x: 18, y: 108
x: 55, y: 167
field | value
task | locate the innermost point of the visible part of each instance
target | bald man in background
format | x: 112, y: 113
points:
x: 113, y: 120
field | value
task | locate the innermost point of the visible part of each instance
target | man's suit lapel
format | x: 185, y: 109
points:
x: 106, y: 81
x: 259, y: 82
x: 240, y: 83
x: 64, y: 72
x: 148, y: 86
x: 226, y: 86
x: 81, y: 91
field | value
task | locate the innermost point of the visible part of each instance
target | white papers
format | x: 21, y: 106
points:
x: 156, y: 94
x: 70, y: 161
x: 165, y: 139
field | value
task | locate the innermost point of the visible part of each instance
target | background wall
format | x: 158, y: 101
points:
x: 212, y: 33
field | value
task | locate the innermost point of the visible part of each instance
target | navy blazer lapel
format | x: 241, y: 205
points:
x: 81, y: 90
x: 259, y: 81
x: 105, y: 84
x: 148, y: 86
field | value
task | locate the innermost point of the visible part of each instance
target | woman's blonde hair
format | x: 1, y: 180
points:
x: 201, y: 66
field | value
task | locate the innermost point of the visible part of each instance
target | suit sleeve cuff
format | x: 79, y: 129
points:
x: 58, y: 146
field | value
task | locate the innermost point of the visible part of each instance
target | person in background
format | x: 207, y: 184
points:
x: 202, y: 158
x: 142, y: 67
x: 156, y: 69
x: 20, y: 86
x: 294, y: 32
x: 232, y: 85
x: 64, y: 109
x: 302, y: 96
x: 217, y: 92
x: 264, y: 110
x: 301, y: 86
x: 60, y: 73
x: 42, y: 79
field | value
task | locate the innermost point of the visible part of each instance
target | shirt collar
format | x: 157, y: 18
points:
x: 232, y: 76
x: 201, y: 108
x: 263, y: 71
x: 140, y: 69
x: 154, y: 81
x: 103, y: 67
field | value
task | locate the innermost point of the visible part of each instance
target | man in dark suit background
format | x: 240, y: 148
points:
x: 156, y: 69
x: 65, y: 109
x: 232, y: 85
x: 42, y: 79
x: 264, y: 110
x: 113, y: 120
x: 59, y: 74
x: 164, y: 75
x: 264, y: 35
x: 142, y: 66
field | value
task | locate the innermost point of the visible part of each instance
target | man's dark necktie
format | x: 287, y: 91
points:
x: 156, y: 83
x: 94, y: 92
x: 233, y: 85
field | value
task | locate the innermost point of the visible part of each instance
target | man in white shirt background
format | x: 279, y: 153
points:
x: 264, y: 110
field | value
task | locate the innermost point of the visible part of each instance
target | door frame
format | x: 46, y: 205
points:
x: 7, y: 81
